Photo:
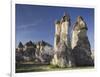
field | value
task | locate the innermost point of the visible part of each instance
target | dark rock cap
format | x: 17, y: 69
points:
x: 79, y: 18
x: 65, y: 17
x: 57, y: 22
x: 20, y: 45
x: 30, y: 43
x: 78, y: 26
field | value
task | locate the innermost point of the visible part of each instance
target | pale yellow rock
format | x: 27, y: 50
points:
x: 62, y: 31
x: 61, y: 37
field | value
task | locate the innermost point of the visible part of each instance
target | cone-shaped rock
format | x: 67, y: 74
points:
x: 81, y: 48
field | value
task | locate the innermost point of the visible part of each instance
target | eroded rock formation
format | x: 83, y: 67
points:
x: 63, y: 57
x: 62, y: 48
x: 81, y: 48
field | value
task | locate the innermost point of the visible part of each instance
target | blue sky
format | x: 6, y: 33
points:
x: 37, y: 22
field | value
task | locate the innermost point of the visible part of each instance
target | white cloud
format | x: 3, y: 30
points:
x: 29, y: 26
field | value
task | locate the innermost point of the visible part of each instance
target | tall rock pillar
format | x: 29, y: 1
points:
x: 62, y: 51
x: 65, y: 25
x: 81, y: 48
x: 57, y: 34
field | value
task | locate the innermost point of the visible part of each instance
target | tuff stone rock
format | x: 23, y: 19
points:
x: 62, y: 48
x: 62, y: 57
x: 81, y: 49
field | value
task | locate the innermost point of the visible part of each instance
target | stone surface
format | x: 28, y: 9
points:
x: 62, y: 48
x: 63, y: 56
x: 62, y: 31
x: 81, y: 48
x: 41, y: 52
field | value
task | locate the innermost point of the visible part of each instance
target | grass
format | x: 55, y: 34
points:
x: 31, y: 67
